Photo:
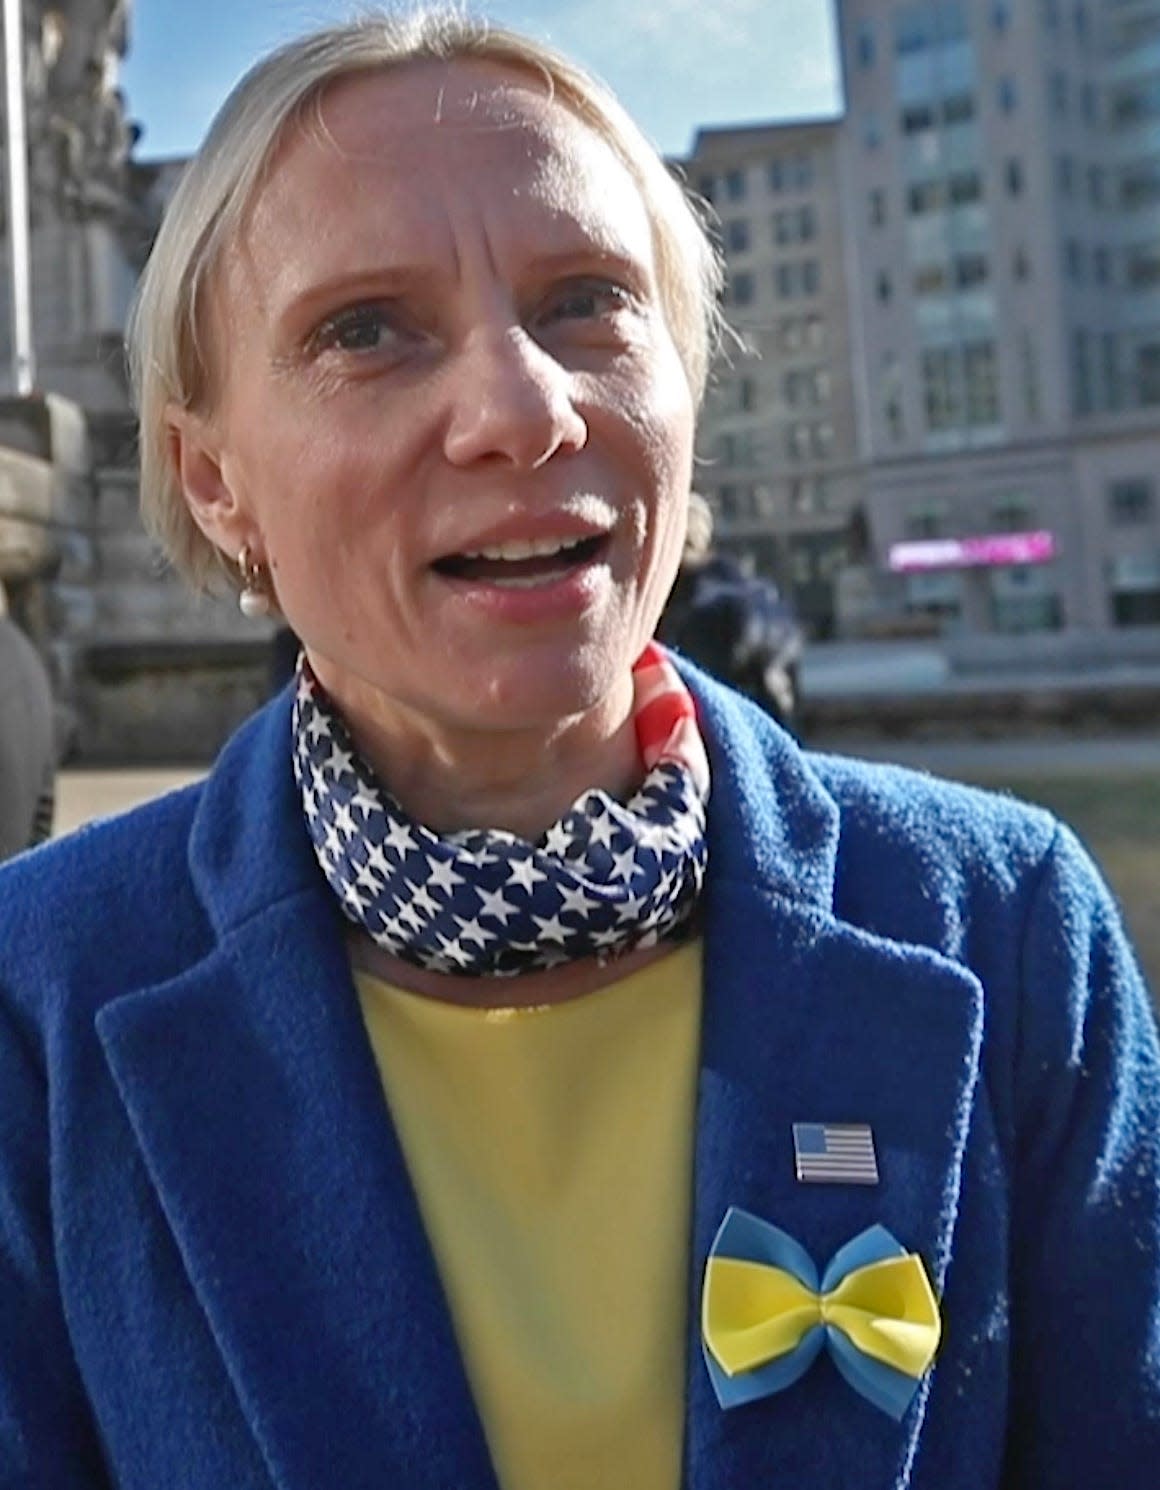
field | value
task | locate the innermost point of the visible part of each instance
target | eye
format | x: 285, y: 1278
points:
x: 588, y: 300
x: 359, y: 328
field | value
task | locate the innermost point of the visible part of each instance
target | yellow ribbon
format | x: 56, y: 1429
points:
x: 753, y: 1313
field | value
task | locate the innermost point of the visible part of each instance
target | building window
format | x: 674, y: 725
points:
x: 964, y: 187
x: 1029, y: 367
x: 1024, y: 599
x: 746, y: 395
x: 1008, y: 95
x: 1080, y: 21
x: 1014, y: 175
x: 1074, y: 261
x: 892, y: 413
x: 1089, y: 104
x: 1140, y: 183
x: 958, y: 109
x: 1060, y: 93
x: 735, y: 186
x: 1113, y: 390
x: 741, y: 289
x: 706, y: 186
x: 815, y: 331
x: 865, y: 45
x: 1095, y: 181
x: 930, y: 279
x: 1081, y: 372
x: 808, y: 495
x: 877, y: 207
x: 786, y: 281
x: 736, y: 449
x: 961, y: 386
x: 790, y: 334
x: 1142, y: 266
x: 1001, y: 15
x: 970, y: 270
x: 737, y: 235
x: 926, y: 521
x: 807, y: 223
x: 924, y: 197
x: 1135, y: 586
x: 981, y: 370
x: 811, y: 277
x: 1148, y: 374
x: 783, y: 228
x: 775, y: 175
x: 917, y: 118
x: 1130, y: 502
x: 803, y: 172
x: 941, y: 389
x: 1065, y: 174
x: 938, y: 596
x: 1102, y: 266
x: 871, y: 132
x: 884, y: 287
x: 1012, y: 514
x: 1135, y: 102
x: 1021, y: 265
x: 1051, y: 14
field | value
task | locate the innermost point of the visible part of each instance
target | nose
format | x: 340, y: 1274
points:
x: 512, y: 401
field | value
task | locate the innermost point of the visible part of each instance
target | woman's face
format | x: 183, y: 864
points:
x: 451, y: 416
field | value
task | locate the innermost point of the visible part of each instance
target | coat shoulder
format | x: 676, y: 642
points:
x: 931, y: 860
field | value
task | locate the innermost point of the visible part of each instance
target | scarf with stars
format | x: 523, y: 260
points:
x: 606, y: 878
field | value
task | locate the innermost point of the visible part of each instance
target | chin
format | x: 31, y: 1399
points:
x: 540, y: 691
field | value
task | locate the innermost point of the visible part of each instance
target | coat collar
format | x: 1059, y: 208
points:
x: 256, y: 1103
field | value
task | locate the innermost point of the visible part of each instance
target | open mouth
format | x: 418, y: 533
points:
x: 521, y: 563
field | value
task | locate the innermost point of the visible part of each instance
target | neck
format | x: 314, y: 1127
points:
x: 520, y: 780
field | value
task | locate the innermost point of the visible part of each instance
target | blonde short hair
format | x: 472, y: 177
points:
x: 169, y: 358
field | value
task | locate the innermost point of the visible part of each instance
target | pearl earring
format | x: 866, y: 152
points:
x: 254, y: 600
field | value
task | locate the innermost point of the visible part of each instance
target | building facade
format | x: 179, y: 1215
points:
x: 777, y: 448
x: 1001, y: 173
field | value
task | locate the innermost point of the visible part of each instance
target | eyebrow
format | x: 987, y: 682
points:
x: 392, y: 281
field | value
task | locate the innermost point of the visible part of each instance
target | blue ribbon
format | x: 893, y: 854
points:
x: 747, y: 1238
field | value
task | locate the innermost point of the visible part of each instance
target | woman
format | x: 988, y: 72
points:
x: 407, y: 1105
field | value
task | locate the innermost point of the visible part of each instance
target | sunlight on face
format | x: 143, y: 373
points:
x: 451, y: 403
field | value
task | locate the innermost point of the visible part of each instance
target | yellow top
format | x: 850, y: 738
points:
x: 551, y: 1150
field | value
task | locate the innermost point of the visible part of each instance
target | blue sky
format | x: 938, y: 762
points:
x: 676, y: 64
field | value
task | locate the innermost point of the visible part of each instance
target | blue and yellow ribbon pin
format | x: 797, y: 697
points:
x: 765, y: 1316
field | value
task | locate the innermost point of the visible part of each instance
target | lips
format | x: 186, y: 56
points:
x: 520, y: 562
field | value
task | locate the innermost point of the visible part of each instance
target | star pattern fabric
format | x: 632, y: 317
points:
x: 606, y: 878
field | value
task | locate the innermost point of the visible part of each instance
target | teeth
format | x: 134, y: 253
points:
x: 527, y: 581
x: 523, y: 548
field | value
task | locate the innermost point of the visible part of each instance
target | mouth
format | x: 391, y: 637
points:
x: 521, y: 564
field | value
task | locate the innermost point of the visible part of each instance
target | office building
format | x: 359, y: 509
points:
x: 1001, y: 176
x: 778, y: 446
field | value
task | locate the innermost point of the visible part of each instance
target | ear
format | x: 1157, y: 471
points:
x: 196, y: 457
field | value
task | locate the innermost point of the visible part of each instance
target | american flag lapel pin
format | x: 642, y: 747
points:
x: 834, y: 1154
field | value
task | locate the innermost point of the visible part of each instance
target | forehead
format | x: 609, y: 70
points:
x: 433, y: 151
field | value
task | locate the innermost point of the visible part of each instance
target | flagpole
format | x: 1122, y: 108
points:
x: 19, y: 254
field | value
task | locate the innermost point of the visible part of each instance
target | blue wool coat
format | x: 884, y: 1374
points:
x: 213, y: 1274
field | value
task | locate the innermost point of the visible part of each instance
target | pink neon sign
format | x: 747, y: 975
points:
x: 983, y: 552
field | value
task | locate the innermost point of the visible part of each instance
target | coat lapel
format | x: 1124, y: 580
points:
x: 808, y: 1019
x: 257, y: 1105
